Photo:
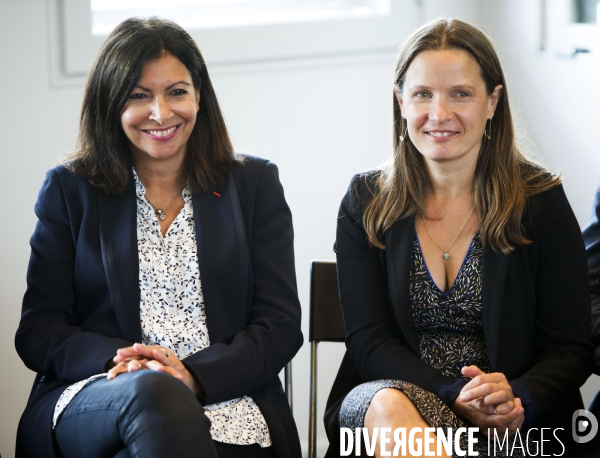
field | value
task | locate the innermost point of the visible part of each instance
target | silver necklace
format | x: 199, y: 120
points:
x: 162, y: 214
x: 446, y: 255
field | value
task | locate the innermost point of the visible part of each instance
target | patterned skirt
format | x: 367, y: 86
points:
x: 433, y: 410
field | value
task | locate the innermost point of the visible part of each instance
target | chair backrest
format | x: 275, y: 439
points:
x: 287, y: 377
x: 326, y: 325
x: 326, y: 322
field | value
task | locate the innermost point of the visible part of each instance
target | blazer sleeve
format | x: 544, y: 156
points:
x: 591, y: 237
x: 49, y: 339
x: 272, y: 336
x: 373, y: 337
x: 562, y: 306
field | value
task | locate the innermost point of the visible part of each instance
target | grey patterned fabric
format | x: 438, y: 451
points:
x: 450, y: 324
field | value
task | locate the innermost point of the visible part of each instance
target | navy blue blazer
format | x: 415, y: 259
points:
x: 591, y: 236
x: 82, y: 298
x: 536, y: 308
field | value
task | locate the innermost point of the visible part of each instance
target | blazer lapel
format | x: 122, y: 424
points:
x: 223, y: 259
x: 118, y: 241
x: 399, y: 240
x: 494, y: 271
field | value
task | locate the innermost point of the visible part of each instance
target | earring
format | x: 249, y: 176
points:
x: 487, y: 132
x: 402, y: 137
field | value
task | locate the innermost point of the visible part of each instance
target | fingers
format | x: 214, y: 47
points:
x: 485, y: 409
x: 152, y: 357
x: 491, y: 390
x: 137, y: 364
x: 146, y: 350
x: 485, y: 418
x: 118, y: 369
x: 134, y: 365
x: 510, y: 421
x: 128, y: 365
x: 155, y: 366
x: 149, y: 352
x: 471, y: 371
x: 123, y: 354
x: 165, y: 356
x: 481, y: 379
x: 504, y: 407
x: 500, y: 427
x: 171, y: 364
x: 518, y: 422
x: 491, y: 395
x: 491, y: 408
x: 141, y: 350
x: 136, y: 349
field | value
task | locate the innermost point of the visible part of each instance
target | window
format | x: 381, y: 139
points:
x: 203, y: 14
x: 240, y: 31
x: 571, y: 28
x: 586, y: 11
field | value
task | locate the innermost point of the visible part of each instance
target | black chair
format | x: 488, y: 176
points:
x: 287, y: 376
x: 326, y: 325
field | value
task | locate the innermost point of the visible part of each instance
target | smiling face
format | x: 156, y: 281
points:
x: 446, y: 105
x: 160, y: 113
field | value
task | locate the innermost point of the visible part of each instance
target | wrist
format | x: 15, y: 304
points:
x: 196, y: 386
x: 199, y: 389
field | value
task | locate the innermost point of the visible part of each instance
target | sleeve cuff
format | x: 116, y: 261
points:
x: 450, y: 390
x: 522, y: 393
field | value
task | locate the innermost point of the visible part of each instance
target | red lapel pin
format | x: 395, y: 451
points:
x: 216, y: 194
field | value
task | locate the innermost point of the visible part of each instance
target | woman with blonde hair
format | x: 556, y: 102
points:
x: 461, y: 267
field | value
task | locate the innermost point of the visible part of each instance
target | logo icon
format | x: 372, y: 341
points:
x: 585, y: 426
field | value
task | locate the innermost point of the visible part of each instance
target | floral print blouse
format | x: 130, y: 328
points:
x: 173, y: 315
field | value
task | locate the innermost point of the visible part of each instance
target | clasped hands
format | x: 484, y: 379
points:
x: 488, y: 402
x: 154, y: 358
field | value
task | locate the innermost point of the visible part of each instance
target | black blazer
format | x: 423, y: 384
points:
x: 82, y: 298
x: 536, y: 308
x: 591, y: 236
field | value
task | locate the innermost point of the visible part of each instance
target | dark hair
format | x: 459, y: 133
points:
x: 504, y: 177
x: 102, y: 154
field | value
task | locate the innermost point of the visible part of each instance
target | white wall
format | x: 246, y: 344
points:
x: 319, y: 120
x: 556, y: 102
x: 556, y: 99
x: 37, y: 124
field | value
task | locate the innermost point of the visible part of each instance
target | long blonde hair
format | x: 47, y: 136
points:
x: 504, y: 178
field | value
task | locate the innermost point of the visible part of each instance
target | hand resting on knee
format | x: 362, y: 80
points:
x: 153, y: 357
x: 488, y: 402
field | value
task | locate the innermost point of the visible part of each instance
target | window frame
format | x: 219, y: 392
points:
x: 566, y: 39
x: 75, y: 46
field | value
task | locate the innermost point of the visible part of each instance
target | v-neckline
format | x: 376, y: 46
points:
x: 445, y: 293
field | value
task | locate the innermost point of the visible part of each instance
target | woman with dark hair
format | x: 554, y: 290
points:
x: 161, y: 301
x: 461, y: 267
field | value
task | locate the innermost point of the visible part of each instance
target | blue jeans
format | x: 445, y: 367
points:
x: 143, y: 414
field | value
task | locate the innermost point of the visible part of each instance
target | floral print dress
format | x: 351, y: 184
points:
x: 450, y: 332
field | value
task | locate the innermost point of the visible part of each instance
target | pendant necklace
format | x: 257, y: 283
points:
x: 162, y: 214
x: 446, y: 255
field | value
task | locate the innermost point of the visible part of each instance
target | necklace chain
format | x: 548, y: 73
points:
x: 446, y: 255
x: 162, y: 214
